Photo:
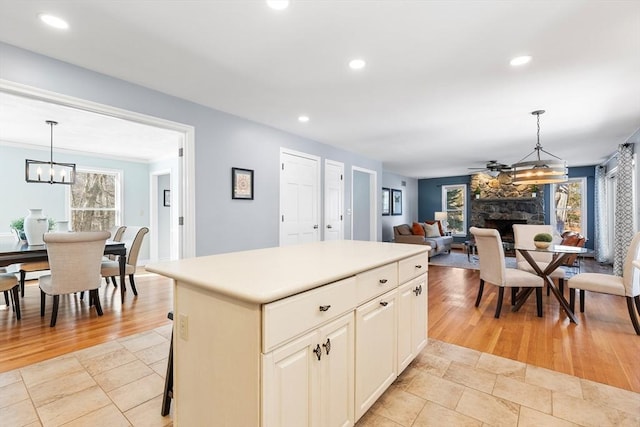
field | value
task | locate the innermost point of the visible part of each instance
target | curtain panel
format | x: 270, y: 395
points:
x: 624, y: 227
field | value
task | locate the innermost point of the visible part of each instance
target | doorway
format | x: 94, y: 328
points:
x: 364, y: 202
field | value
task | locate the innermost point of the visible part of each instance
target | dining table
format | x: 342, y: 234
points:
x: 15, y: 252
x: 559, y: 254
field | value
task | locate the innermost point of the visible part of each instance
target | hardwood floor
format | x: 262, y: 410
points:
x: 602, y: 347
x: 31, y: 340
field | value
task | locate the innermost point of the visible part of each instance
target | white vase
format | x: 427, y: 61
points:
x: 62, y: 226
x: 35, y: 225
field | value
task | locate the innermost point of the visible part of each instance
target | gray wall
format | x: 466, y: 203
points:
x: 222, y: 141
x: 409, y: 203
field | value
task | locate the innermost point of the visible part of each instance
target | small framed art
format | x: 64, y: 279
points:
x: 386, y: 201
x: 241, y: 184
x: 396, y: 202
x: 167, y: 198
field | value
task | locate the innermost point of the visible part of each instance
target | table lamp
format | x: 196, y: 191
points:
x: 442, y: 216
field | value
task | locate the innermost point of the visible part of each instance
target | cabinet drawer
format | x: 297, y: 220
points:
x: 285, y: 319
x: 411, y: 267
x: 376, y: 281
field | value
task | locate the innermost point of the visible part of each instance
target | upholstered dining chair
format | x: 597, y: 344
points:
x: 74, y: 261
x: 626, y: 286
x: 523, y: 237
x: 493, y: 269
x: 9, y: 284
x: 132, y: 238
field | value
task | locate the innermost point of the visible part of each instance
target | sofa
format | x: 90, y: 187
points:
x: 405, y: 233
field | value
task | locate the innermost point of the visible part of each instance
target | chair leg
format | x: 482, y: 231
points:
x: 6, y: 298
x: 582, y: 292
x: 23, y: 277
x: 561, y: 286
x: 42, y: 297
x: 632, y: 315
x: 133, y: 284
x: 480, y: 289
x: 637, y: 300
x: 572, y: 299
x: 113, y: 280
x: 16, y: 301
x: 499, y: 306
x: 168, y: 383
x: 514, y: 294
x: 95, y: 297
x: 539, y: 301
x: 54, y: 313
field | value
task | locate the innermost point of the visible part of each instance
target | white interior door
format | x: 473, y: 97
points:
x: 333, y: 200
x: 299, y: 198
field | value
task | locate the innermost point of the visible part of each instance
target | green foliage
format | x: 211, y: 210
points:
x: 534, y: 188
x: 18, y: 224
x: 542, y: 237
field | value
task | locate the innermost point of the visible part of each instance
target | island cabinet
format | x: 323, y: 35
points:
x: 307, y: 335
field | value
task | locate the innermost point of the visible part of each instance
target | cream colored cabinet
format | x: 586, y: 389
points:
x: 309, y: 381
x: 376, y: 332
x: 412, y: 320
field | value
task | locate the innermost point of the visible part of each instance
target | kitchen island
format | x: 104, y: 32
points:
x: 300, y: 335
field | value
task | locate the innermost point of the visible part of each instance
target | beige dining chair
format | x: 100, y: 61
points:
x: 116, y: 235
x: 132, y: 238
x: 74, y: 261
x: 627, y: 286
x: 493, y: 269
x: 523, y: 237
x: 9, y: 285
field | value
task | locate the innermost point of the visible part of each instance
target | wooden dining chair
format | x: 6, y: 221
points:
x: 627, y: 286
x: 132, y: 238
x: 9, y: 286
x: 74, y: 261
x: 493, y: 269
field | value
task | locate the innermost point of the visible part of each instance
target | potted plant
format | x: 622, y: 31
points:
x: 17, y: 225
x: 477, y: 192
x: 534, y: 190
x: 542, y: 240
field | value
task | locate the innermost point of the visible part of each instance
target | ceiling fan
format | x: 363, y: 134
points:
x: 493, y: 168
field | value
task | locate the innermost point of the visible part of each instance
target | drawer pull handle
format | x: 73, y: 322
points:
x: 418, y: 266
x: 383, y: 281
x: 417, y: 291
x: 384, y: 303
x: 318, y: 351
x: 324, y: 307
x: 327, y: 346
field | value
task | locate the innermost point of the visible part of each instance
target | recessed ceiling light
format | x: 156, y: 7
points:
x: 53, y: 21
x: 357, y: 64
x: 520, y: 60
x: 303, y: 119
x: 278, y: 4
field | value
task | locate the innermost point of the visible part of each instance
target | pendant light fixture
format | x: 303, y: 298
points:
x: 539, y: 171
x: 50, y: 172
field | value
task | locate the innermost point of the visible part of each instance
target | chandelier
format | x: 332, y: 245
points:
x: 539, y: 171
x: 50, y: 172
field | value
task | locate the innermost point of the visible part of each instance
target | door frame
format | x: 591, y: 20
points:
x: 185, y: 180
x: 373, y: 201
x: 174, y: 249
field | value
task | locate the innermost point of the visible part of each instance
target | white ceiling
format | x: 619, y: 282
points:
x: 437, y: 96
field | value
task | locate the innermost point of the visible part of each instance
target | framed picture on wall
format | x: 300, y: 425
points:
x: 386, y: 201
x: 167, y: 198
x: 396, y: 202
x: 241, y: 184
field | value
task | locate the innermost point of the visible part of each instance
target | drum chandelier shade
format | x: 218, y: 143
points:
x: 539, y: 171
x: 50, y: 172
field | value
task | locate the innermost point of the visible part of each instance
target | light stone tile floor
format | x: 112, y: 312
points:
x: 120, y: 383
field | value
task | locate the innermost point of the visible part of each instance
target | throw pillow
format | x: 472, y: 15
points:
x: 417, y: 229
x: 437, y: 221
x: 432, y: 230
x: 404, y: 230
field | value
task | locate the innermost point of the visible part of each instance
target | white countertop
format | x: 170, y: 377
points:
x: 265, y: 275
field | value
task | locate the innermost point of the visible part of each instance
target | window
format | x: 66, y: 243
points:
x: 569, y: 210
x: 94, y: 200
x: 454, y: 201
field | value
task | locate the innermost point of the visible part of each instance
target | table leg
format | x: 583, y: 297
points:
x: 122, y: 261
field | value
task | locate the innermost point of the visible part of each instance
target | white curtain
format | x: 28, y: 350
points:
x: 624, y: 222
x: 604, y: 251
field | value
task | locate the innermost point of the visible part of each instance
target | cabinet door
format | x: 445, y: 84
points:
x: 288, y: 391
x: 337, y: 373
x: 412, y: 320
x: 376, y: 351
